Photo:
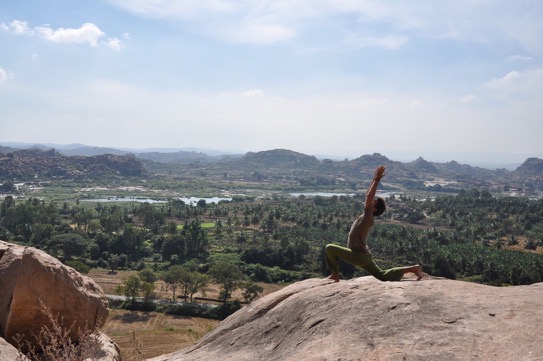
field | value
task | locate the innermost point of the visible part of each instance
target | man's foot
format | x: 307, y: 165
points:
x: 334, y: 277
x: 418, y: 271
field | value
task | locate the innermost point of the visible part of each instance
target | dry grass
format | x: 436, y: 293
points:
x: 141, y: 335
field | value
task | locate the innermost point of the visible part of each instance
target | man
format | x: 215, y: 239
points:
x: 357, y: 251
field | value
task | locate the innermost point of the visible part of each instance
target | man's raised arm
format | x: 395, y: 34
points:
x: 370, y: 194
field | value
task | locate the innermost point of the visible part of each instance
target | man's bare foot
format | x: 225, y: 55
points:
x: 334, y: 277
x: 418, y: 271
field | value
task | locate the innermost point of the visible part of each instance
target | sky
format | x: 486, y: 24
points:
x: 446, y: 80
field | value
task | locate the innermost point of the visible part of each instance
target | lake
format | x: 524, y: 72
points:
x: 328, y: 194
x: 190, y: 200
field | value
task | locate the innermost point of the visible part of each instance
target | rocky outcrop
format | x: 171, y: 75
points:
x: 365, y: 319
x: 9, y: 352
x: 32, y: 282
x: 108, y: 350
x: 35, y: 163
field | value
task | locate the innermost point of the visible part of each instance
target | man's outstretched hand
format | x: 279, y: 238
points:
x: 379, y: 172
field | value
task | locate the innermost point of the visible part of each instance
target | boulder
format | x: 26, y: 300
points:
x: 9, y: 353
x: 366, y: 319
x: 31, y: 282
x: 107, y: 351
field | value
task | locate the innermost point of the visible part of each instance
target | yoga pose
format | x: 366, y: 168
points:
x: 357, y: 251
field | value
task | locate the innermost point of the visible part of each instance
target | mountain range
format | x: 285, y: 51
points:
x: 81, y: 162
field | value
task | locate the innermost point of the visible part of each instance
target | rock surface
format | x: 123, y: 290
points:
x: 30, y: 280
x: 9, y: 353
x: 365, y: 319
x: 109, y: 351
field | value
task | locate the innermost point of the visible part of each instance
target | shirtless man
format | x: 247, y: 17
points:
x: 357, y: 251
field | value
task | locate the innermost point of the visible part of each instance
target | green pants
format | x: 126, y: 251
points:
x: 334, y: 253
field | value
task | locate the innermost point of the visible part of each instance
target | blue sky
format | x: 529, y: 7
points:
x: 445, y: 80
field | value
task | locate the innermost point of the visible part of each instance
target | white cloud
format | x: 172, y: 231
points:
x: 16, y: 26
x: 517, y: 57
x: 88, y: 33
x: 259, y: 32
x: 390, y: 41
x: 253, y: 93
x: 188, y: 9
x: 505, y: 80
x: 113, y: 112
x: 5, y: 75
x: 469, y: 99
x: 386, y: 24
x: 114, y: 43
x: 524, y: 87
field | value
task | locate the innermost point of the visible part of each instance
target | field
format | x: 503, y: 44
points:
x: 142, y: 335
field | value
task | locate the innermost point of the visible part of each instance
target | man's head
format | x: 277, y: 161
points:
x: 379, y: 206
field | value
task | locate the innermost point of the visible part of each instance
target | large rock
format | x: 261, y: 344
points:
x: 366, y: 319
x: 108, y: 350
x: 31, y: 281
x: 9, y: 353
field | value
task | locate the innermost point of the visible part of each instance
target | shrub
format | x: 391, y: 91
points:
x: 54, y: 342
x: 78, y: 266
x: 138, y: 306
x: 199, y: 310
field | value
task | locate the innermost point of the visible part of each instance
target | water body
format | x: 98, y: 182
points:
x: 114, y: 199
x: 328, y: 194
x: 322, y: 194
x: 190, y: 200
x: 194, y: 200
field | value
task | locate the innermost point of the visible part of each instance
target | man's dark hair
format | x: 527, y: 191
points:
x: 380, y: 206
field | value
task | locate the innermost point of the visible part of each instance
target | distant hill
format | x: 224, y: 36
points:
x: 279, y: 158
x: 282, y: 166
x: 175, y: 157
x: 91, y: 151
x: 161, y: 155
x: 36, y: 163
x: 532, y: 166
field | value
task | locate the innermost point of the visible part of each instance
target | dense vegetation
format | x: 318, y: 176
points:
x: 472, y: 235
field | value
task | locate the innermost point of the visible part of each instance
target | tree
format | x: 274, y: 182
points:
x: 172, y: 277
x: 251, y: 291
x: 148, y: 278
x: 195, y: 238
x: 71, y: 244
x: 228, y: 276
x: 147, y: 275
x: 133, y: 238
x: 148, y: 290
x: 131, y: 288
x: 193, y: 282
x: 113, y: 262
x: 173, y: 245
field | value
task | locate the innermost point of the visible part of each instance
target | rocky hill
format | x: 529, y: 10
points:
x: 35, y: 163
x: 451, y: 176
x: 531, y: 166
x: 279, y: 158
x: 282, y: 167
x: 288, y: 160
x: 365, y: 319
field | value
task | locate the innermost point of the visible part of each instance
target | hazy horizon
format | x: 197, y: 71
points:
x: 338, y: 78
x: 483, y: 160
